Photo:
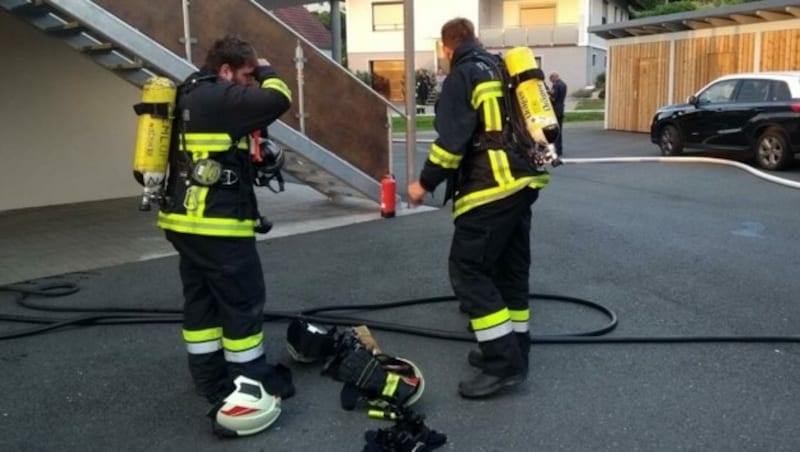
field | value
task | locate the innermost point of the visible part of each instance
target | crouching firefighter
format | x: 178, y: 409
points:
x: 493, y: 183
x: 209, y: 214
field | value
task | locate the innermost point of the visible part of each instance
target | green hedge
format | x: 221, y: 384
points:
x: 425, y: 122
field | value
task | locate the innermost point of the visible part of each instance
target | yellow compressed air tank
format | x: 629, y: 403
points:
x: 532, y: 97
x: 153, y: 135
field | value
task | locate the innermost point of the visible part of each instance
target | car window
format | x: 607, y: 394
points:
x: 752, y: 90
x: 718, y: 92
x: 780, y: 91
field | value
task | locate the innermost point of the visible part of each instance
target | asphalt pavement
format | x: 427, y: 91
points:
x: 673, y: 250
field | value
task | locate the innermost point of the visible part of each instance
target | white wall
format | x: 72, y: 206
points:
x: 361, y: 61
x: 570, y: 63
x: 429, y: 16
x: 68, y: 127
x: 490, y: 13
x: 595, y: 18
x: 567, y: 11
x: 574, y: 63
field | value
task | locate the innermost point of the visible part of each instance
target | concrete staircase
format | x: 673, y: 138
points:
x: 135, y: 57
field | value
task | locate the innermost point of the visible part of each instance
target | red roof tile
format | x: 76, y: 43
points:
x: 306, y: 25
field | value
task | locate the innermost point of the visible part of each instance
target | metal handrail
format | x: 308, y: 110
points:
x: 310, y: 44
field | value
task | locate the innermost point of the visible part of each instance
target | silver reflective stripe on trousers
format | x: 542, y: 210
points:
x: 490, y: 334
x: 244, y: 356
x: 201, y: 348
x: 520, y: 327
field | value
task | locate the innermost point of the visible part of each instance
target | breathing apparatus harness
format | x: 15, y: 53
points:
x: 259, y: 167
x: 515, y: 135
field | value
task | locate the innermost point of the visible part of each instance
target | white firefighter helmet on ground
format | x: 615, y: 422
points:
x: 404, y: 382
x: 420, y: 379
x: 248, y: 410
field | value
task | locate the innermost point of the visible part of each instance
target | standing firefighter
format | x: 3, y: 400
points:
x: 210, y: 216
x: 493, y: 188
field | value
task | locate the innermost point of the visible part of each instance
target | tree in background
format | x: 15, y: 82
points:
x: 324, y: 18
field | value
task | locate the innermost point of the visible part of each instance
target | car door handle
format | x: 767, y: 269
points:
x: 759, y: 110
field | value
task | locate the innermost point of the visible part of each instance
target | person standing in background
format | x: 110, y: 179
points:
x: 558, y: 94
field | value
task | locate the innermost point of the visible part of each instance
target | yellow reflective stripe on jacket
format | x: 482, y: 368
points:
x: 243, y: 143
x: 194, y: 201
x: 199, y: 194
x: 246, y: 343
x: 444, y: 158
x: 485, y: 196
x: 486, y: 90
x: 492, y: 116
x: 208, y: 334
x: 207, y: 142
x: 540, y: 181
x: 279, y: 86
x: 486, y: 94
x: 501, y: 168
x: 221, y: 227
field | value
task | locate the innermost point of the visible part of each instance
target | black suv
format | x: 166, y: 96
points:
x: 754, y: 112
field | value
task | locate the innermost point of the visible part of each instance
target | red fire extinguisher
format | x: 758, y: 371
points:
x: 388, y: 193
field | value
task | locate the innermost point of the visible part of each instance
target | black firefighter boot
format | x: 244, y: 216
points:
x: 210, y: 374
x: 475, y: 357
x: 502, y: 365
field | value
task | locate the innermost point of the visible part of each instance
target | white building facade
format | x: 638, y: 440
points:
x: 555, y: 29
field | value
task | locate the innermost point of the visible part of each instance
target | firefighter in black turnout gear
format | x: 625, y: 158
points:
x: 493, y: 188
x: 210, y: 216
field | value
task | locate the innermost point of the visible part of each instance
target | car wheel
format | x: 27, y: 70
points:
x: 670, y: 141
x: 772, y: 151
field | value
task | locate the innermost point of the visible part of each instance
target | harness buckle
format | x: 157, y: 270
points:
x: 206, y: 172
x: 228, y: 177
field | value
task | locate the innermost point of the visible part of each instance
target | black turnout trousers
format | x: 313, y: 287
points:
x: 223, y: 286
x: 489, y: 269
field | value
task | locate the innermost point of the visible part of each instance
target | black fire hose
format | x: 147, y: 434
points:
x: 51, y: 288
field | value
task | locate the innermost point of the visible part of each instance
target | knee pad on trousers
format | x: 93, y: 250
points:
x: 248, y: 410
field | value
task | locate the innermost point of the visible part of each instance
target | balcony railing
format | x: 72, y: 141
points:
x: 539, y: 35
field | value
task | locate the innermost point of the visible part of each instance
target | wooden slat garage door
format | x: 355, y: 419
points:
x: 638, y: 85
x: 701, y: 60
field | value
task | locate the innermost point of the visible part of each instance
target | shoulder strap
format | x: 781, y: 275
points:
x: 495, y: 61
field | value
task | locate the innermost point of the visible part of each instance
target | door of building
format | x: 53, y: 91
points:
x: 388, y: 78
